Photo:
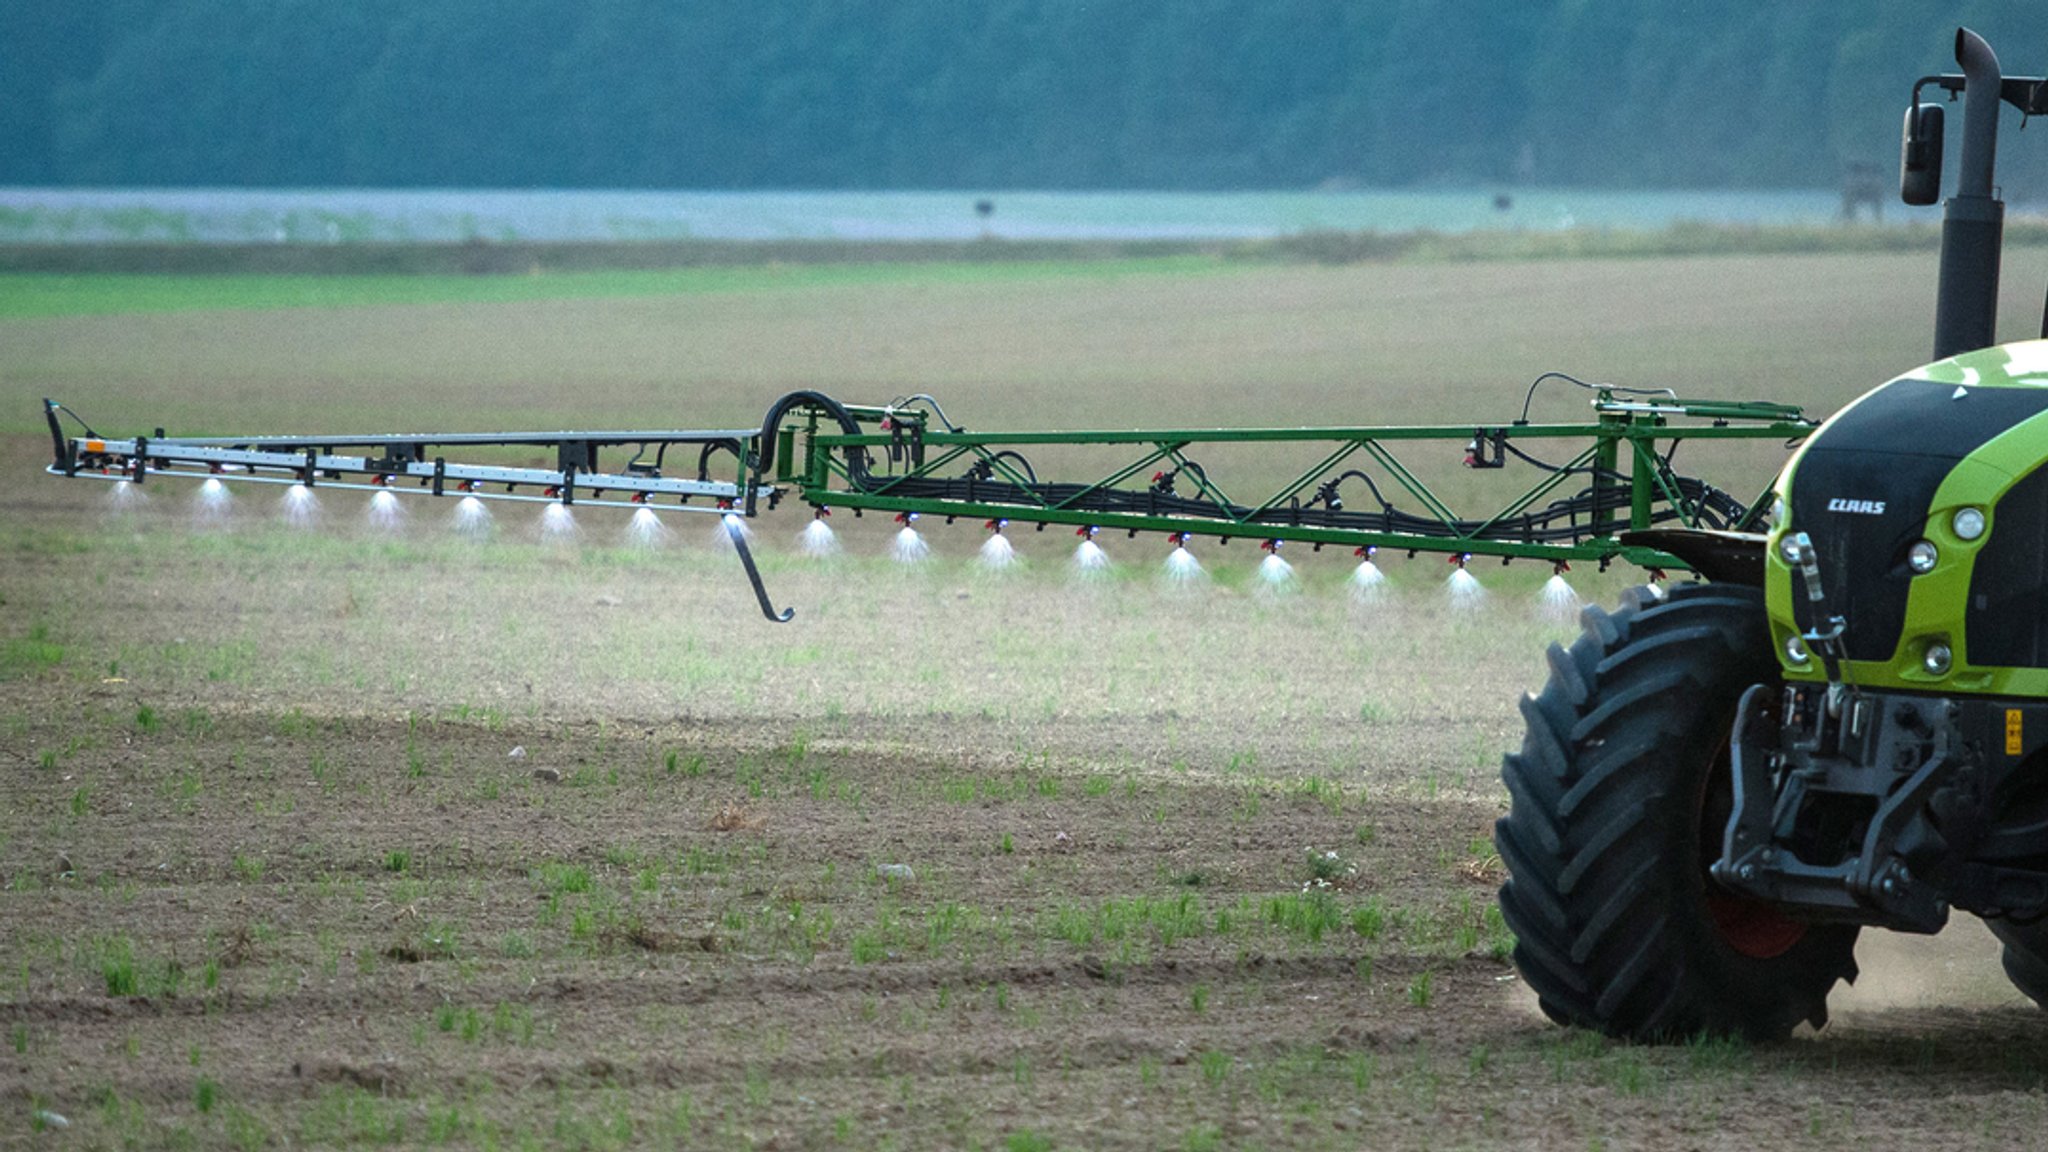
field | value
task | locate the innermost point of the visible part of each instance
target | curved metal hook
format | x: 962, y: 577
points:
x: 738, y: 537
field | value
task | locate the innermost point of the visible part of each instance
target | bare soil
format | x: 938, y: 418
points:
x: 362, y: 930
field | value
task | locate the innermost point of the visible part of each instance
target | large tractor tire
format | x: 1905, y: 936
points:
x: 1616, y: 805
x: 2025, y: 956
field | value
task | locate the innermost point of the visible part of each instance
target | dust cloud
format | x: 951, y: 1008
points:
x: 1956, y: 969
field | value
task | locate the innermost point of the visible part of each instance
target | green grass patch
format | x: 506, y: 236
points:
x: 22, y: 657
x: 103, y: 294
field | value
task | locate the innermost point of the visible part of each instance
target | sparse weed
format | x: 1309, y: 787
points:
x: 557, y: 878
x: 1324, y: 791
x: 1328, y: 869
x: 1629, y: 1075
x: 1708, y: 1053
x: 1306, y: 914
x: 1025, y: 1140
x: 1422, y: 989
x: 125, y: 974
x: 1368, y: 919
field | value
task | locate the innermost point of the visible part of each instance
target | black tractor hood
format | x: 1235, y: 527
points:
x: 1863, y: 488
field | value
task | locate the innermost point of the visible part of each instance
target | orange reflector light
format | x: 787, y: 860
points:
x: 95, y: 445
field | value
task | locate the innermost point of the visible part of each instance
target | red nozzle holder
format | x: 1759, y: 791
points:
x: 1088, y: 531
x: 996, y: 525
x: 1459, y: 560
x: 381, y: 481
x: 1272, y: 546
x: 1178, y: 539
x: 1366, y: 552
x: 1560, y: 568
x: 466, y: 486
x: 551, y: 492
x: 724, y: 505
x: 906, y: 517
x: 1657, y: 574
x: 822, y: 514
x: 639, y: 497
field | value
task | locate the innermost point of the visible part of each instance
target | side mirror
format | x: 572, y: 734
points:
x: 1920, y: 155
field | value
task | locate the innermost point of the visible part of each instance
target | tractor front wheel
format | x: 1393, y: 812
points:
x: 1616, y: 804
x: 2025, y: 957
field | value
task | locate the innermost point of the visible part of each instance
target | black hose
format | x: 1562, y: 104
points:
x: 1376, y: 493
x: 772, y: 425
x: 710, y: 446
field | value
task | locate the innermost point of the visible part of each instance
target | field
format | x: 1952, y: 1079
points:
x: 350, y: 837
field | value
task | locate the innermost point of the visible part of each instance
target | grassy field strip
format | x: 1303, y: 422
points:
x: 1262, y: 344
x: 29, y: 295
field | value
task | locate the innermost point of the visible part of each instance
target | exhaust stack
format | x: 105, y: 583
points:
x: 1973, y: 221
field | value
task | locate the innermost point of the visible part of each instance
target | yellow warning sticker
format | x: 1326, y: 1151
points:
x: 2012, y: 732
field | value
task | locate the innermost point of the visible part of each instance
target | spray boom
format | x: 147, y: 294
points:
x: 1613, y: 496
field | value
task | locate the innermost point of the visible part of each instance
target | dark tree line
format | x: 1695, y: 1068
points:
x: 1078, y: 94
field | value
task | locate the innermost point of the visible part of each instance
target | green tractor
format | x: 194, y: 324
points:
x: 1847, y: 727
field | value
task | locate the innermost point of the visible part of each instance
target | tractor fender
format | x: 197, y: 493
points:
x: 1720, y: 556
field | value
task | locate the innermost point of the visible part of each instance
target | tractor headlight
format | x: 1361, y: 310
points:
x: 1968, y: 523
x: 1939, y: 659
x: 1795, y: 649
x: 1788, y: 549
x: 1922, y: 557
x: 1778, y: 511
